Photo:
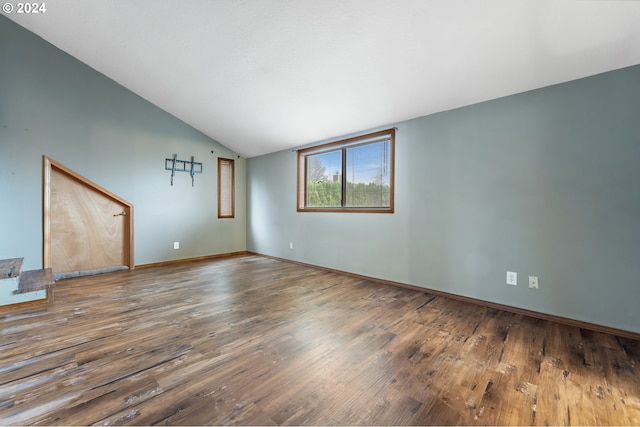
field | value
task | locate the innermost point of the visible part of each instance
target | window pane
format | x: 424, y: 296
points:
x: 225, y: 188
x: 350, y: 175
x: 324, y: 179
x: 368, y: 175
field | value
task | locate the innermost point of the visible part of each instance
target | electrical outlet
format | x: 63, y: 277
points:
x: 512, y: 278
x: 290, y: 245
x: 176, y: 245
x: 533, y: 282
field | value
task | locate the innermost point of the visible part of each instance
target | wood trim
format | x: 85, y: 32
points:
x: 194, y: 259
x: 302, y: 180
x: 48, y: 165
x: 46, y: 212
x: 39, y: 301
x: 300, y: 199
x: 231, y: 163
x: 348, y: 141
x: 516, y: 310
x: 132, y: 265
x: 348, y: 210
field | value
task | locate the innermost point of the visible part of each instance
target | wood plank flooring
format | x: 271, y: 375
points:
x: 250, y: 340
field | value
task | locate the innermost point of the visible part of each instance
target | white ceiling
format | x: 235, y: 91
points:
x: 260, y: 76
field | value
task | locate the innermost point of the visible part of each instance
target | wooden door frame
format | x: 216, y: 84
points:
x: 48, y: 165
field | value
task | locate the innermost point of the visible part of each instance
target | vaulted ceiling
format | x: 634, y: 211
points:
x: 260, y: 76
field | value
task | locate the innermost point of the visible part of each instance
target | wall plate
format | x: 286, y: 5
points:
x: 512, y: 278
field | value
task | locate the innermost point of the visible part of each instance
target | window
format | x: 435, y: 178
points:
x: 226, y: 193
x: 352, y: 175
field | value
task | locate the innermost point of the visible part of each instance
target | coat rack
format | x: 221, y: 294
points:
x: 174, y: 165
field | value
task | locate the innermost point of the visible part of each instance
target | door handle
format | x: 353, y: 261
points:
x: 123, y: 213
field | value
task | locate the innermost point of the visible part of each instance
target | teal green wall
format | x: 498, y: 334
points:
x: 51, y: 104
x: 543, y: 183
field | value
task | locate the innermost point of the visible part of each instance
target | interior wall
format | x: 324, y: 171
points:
x: 51, y: 104
x: 544, y: 183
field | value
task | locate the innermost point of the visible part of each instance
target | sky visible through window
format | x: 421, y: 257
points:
x: 365, y: 163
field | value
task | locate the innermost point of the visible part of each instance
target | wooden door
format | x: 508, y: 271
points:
x: 86, y: 227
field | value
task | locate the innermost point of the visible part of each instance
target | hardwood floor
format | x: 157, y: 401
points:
x: 255, y: 341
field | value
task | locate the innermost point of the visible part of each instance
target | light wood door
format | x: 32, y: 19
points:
x: 86, y: 226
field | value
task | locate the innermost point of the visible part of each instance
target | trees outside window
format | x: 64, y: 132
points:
x: 352, y: 175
